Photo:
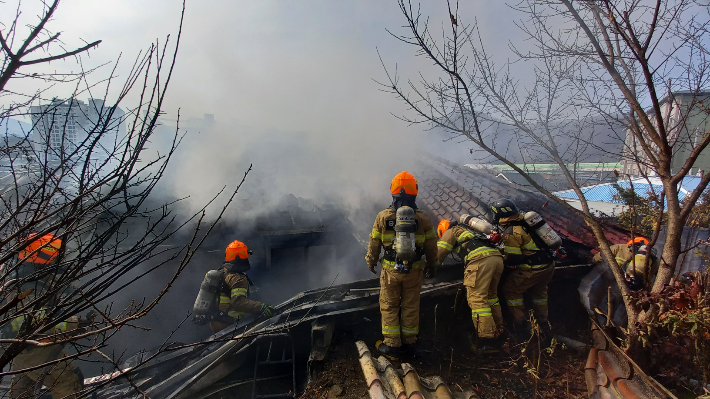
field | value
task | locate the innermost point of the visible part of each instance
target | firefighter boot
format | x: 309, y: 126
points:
x: 487, y: 346
x: 390, y: 352
x: 483, y: 345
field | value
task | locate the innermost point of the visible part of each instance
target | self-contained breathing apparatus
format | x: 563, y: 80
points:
x: 545, y: 238
x: 206, y: 306
x: 484, y: 234
x: 404, y: 245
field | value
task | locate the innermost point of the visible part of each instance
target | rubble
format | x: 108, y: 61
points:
x: 385, y: 381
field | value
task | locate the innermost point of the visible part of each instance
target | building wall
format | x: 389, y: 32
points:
x: 686, y: 122
x: 60, y: 126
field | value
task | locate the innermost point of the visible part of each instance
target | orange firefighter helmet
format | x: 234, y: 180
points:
x: 42, y: 250
x: 638, y: 240
x: 443, y: 226
x: 234, y: 249
x: 404, y: 181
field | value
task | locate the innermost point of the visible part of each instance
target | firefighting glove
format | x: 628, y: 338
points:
x: 559, y: 254
x: 429, y: 272
x: 267, y: 310
x: 200, y: 320
x: 372, y: 268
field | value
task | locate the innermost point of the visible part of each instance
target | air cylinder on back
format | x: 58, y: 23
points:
x: 477, y: 224
x: 207, y: 299
x: 405, y: 227
x: 543, y: 230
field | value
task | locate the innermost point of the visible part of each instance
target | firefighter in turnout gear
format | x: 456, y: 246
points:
x: 234, y: 290
x: 407, y: 236
x: 532, y: 267
x: 632, y: 259
x: 484, y: 267
x: 63, y: 379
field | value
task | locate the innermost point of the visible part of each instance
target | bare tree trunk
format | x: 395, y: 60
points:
x: 672, y: 246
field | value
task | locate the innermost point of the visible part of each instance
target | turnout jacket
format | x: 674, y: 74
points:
x: 519, y: 244
x: 624, y: 256
x: 382, y: 235
x: 460, y: 239
x: 233, y: 297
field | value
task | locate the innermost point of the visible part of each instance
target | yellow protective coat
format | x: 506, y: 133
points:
x: 233, y: 300
x: 63, y: 378
x: 525, y: 277
x: 622, y: 253
x: 400, y: 292
x: 484, y: 267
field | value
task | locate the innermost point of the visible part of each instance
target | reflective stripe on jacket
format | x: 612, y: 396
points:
x: 233, y: 298
x: 519, y: 242
x: 382, y: 236
x: 455, y: 238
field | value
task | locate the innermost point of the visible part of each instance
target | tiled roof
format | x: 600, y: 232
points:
x: 385, y: 381
x: 610, y: 373
x: 448, y: 191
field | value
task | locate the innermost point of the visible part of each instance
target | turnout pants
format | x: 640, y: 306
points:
x: 400, y: 292
x: 481, y: 279
x: 521, y: 281
x: 62, y: 379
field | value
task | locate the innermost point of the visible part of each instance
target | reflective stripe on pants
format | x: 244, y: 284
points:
x: 400, y: 292
x: 534, y: 281
x: 481, y: 280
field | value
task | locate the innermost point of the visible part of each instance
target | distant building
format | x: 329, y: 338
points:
x: 62, y: 125
x: 550, y: 176
x: 686, y: 127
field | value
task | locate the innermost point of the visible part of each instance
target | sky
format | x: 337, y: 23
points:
x: 302, y: 66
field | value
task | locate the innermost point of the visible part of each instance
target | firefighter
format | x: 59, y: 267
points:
x: 532, y: 267
x: 234, y: 292
x: 484, y: 267
x: 63, y: 379
x: 400, y: 286
x: 632, y: 259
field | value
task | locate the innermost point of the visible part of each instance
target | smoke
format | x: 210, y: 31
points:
x: 292, y: 90
x: 347, y: 168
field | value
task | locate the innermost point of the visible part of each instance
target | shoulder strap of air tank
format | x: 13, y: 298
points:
x: 475, y: 242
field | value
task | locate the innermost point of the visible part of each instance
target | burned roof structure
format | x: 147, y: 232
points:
x: 274, y: 357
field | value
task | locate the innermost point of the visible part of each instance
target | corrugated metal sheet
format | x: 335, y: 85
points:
x: 691, y: 261
x: 606, y: 192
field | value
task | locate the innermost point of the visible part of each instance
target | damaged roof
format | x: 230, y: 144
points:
x: 448, y: 191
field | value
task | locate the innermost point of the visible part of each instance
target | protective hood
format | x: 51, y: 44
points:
x: 237, y: 265
x: 401, y: 200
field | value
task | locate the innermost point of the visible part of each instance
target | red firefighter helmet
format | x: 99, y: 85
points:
x: 404, y: 181
x: 443, y: 226
x: 234, y: 249
x: 46, y: 247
